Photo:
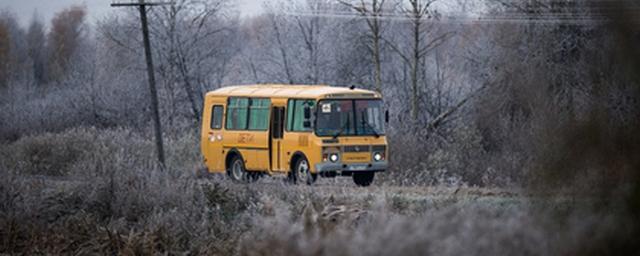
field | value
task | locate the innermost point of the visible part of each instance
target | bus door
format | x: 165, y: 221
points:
x: 213, y: 144
x: 276, y: 134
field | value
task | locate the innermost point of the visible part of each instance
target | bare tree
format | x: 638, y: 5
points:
x: 418, y: 12
x: 277, y: 25
x: 372, y: 13
x: 309, y: 29
x: 36, y: 48
x: 13, y: 55
x: 4, y: 54
x: 189, y: 35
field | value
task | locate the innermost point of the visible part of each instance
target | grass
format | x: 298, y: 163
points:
x: 91, y: 191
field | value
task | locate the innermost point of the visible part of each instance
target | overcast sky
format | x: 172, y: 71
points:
x: 97, y: 9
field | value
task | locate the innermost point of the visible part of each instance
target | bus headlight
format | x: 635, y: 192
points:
x: 334, y: 157
x: 377, y: 157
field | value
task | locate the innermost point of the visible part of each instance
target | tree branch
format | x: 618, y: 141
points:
x: 440, y: 119
x: 395, y: 49
x: 435, y: 43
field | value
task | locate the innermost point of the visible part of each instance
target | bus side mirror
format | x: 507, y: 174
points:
x: 386, y: 116
x: 307, y: 112
x: 307, y: 117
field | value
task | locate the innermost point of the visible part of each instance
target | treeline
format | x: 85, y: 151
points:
x: 36, y: 55
x: 478, y: 90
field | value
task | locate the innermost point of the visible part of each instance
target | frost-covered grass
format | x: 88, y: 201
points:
x: 90, y: 191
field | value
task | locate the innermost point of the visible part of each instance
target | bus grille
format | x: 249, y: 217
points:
x: 358, y: 148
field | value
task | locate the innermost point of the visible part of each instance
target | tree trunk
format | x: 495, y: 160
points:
x: 189, y: 90
x: 373, y: 21
x: 414, y: 67
x: 376, y: 59
x: 283, y: 52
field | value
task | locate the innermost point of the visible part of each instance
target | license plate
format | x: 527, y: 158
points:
x: 357, y: 167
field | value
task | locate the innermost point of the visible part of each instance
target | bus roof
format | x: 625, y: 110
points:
x: 293, y: 91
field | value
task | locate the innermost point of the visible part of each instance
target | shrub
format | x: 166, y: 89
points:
x: 109, y: 196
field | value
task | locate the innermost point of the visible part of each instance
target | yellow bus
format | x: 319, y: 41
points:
x: 297, y: 131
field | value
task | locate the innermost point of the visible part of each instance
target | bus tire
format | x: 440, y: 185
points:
x: 363, y: 179
x: 236, y: 169
x: 302, y: 172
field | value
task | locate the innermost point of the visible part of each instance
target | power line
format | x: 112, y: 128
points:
x: 571, y: 15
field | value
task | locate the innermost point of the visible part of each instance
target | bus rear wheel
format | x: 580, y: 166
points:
x: 363, y: 179
x: 302, y: 172
x: 236, y: 170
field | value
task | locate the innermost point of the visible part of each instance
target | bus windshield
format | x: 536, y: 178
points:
x: 349, y: 118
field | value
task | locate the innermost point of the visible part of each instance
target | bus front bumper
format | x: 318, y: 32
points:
x: 351, y: 167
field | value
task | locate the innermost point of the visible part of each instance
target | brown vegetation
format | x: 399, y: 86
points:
x: 64, y: 38
x: 4, y: 54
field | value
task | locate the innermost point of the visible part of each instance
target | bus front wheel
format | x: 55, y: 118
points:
x: 303, y: 173
x: 363, y: 179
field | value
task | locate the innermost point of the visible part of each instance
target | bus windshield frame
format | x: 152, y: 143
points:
x: 335, y: 117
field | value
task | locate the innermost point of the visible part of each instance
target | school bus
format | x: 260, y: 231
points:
x: 297, y: 131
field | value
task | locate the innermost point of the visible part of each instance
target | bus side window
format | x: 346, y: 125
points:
x: 295, y: 115
x: 259, y: 114
x: 237, y: 114
x: 216, y: 117
x: 290, y: 115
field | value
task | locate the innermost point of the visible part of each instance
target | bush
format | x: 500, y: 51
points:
x: 106, y: 194
x: 471, y: 230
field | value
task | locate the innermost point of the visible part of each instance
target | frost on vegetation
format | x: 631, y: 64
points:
x: 127, y: 204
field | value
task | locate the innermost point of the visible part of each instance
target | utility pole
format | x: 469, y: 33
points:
x: 150, y: 72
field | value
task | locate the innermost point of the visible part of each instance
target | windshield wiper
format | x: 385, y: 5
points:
x: 344, y: 127
x: 365, y: 121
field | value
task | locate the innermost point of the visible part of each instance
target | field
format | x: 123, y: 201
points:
x: 87, y: 191
x: 513, y: 128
